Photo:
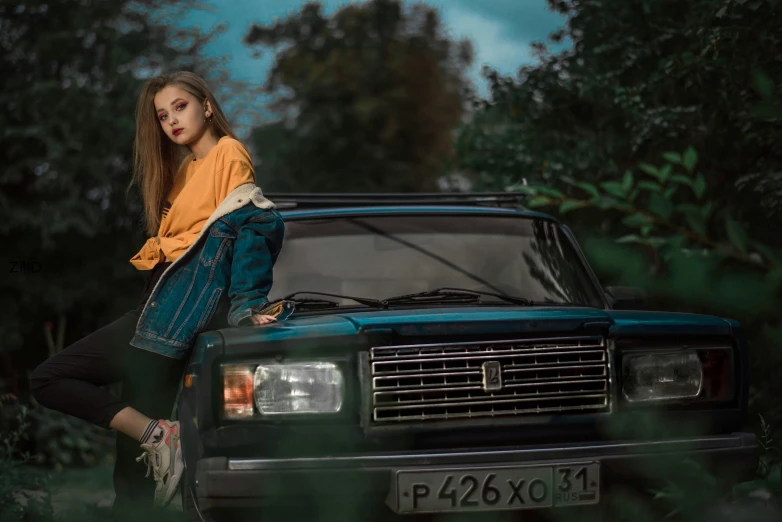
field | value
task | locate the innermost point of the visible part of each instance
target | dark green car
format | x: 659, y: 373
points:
x: 451, y: 354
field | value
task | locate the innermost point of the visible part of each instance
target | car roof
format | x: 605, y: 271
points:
x: 295, y: 206
x: 406, y: 210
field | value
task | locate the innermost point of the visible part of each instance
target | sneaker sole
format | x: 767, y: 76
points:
x: 173, y: 483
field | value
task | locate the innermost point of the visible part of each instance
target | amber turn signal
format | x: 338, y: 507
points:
x: 238, y: 392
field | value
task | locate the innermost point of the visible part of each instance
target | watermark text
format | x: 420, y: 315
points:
x: 25, y: 267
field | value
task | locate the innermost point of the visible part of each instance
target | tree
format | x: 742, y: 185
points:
x: 642, y: 78
x: 369, y: 98
x: 71, y: 73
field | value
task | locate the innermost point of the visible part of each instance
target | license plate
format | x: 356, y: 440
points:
x: 496, y: 488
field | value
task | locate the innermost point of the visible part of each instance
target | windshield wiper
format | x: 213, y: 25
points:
x: 308, y: 304
x: 455, y: 294
x: 440, y: 295
x: 374, y: 303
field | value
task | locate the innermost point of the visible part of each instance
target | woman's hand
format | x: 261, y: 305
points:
x: 258, y: 319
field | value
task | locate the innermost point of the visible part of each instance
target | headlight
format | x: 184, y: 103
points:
x: 653, y: 377
x: 282, y: 389
x: 703, y: 374
x: 298, y: 388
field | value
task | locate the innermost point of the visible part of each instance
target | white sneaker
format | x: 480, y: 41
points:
x: 164, y: 457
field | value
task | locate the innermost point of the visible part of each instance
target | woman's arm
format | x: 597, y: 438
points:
x: 255, y: 251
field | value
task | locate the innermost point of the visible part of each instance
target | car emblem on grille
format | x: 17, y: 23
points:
x: 492, y: 376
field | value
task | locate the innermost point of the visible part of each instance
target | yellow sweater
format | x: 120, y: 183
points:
x: 199, y: 187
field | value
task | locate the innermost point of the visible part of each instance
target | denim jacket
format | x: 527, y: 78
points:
x: 234, y: 255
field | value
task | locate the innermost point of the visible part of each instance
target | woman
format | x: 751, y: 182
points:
x: 213, y: 232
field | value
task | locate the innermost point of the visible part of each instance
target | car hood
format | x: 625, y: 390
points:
x: 669, y: 323
x: 482, y: 320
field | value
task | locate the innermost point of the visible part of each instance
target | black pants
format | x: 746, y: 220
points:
x: 72, y: 382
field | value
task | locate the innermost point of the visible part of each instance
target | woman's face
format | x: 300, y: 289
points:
x: 180, y: 115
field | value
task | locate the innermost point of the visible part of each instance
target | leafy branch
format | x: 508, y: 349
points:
x: 18, y: 486
x: 665, y: 205
x: 768, y: 480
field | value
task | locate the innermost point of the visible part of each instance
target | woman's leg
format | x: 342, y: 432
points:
x: 72, y: 380
x: 150, y: 390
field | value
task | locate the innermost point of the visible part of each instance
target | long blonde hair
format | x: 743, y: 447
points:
x: 156, y: 158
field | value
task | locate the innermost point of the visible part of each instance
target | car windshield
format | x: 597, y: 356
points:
x: 385, y: 256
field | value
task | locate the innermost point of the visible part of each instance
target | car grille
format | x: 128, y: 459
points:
x: 446, y: 381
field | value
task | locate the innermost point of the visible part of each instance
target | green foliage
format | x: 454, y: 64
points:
x: 767, y: 486
x: 770, y: 466
x: 637, y: 84
x: 370, y: 97
x: 763, y: 84
x: 64, y: 441
x: 666, y: 218
x: 23, y: 494
x: 27, y: 490
x: 689, y: 493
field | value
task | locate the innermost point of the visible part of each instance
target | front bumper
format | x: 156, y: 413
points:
x: 226, y: 483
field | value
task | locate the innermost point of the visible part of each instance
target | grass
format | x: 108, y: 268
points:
x: 87, y: 494
x: 81, y: 494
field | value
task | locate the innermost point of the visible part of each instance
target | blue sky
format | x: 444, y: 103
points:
x: 500, y: 30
